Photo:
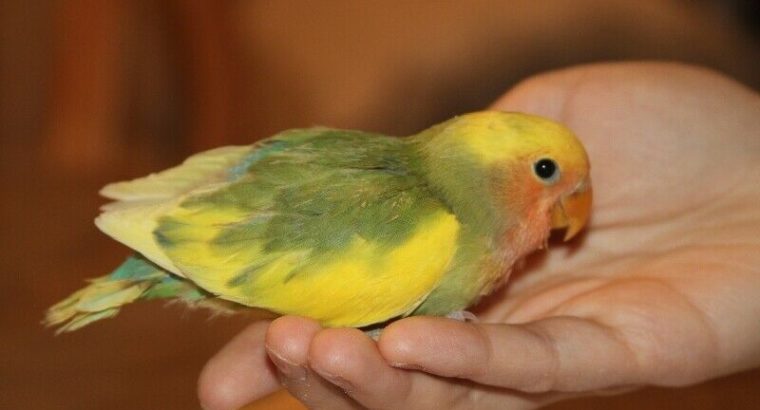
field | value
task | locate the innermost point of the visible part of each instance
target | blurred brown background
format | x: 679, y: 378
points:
x: 95, y: 91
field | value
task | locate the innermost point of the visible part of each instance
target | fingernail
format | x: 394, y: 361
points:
x: 342, y: 383
x: 286, y: 367
x: 407, y: 366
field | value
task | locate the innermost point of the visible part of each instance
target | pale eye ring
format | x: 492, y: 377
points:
x: 546, y: 170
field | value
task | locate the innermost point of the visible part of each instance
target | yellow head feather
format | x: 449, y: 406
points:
x: 493, y: 137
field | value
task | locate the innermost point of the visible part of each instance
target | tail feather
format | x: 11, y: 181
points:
x: 137, y: 278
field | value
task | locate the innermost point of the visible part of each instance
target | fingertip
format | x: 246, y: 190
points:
x: 403, y: 341
x: 289, y: 337
x: 440, y: 346
x: 349, y: 359
x: 339, y: 354
x: 395, y: 342
x: 218, y: 391
x: 288, y: 344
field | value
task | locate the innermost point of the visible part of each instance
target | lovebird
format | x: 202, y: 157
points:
x: 346, y: 227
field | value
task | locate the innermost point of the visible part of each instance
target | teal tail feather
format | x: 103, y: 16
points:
x: 136, y: 278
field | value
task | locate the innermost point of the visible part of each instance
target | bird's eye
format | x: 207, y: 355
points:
x: 546, y: 170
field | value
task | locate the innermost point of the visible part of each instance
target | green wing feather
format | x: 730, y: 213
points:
x: 302, y: 205
x: 132, y: 218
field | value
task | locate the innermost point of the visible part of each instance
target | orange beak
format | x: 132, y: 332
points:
x: 572, y: 211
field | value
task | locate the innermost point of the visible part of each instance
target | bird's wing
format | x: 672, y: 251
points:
x: 138, y: 204
x: 333, y: 227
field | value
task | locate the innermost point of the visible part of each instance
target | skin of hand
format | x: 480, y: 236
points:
x: 663, y: 289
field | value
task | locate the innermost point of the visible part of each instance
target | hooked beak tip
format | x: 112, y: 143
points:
x: 572, y: 211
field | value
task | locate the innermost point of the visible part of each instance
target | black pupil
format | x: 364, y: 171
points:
x: 545, y: 168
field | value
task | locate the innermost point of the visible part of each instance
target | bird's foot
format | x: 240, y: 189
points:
x: 463, y: 316
x: 374, y: 334
x: 460, y: 315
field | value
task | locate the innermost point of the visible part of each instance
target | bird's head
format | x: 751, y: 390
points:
x: 534, y: 168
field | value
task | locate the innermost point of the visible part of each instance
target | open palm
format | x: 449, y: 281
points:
x: 663, y: 288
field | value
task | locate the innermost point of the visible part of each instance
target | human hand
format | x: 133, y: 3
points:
x: 663, y: 289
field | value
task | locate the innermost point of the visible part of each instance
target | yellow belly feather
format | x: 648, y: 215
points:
x: 365, y: 284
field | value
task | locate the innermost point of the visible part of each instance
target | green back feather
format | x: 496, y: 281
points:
x: 310, y: 195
